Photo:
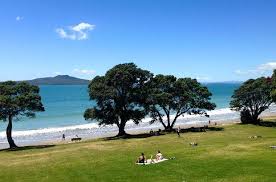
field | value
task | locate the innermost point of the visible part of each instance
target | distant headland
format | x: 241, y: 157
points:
x: 58, y: 80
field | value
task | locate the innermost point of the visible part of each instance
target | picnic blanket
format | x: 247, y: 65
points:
x: 152, y: 161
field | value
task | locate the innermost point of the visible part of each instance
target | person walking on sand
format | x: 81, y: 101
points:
x: 178, y: 131
x: 63, y: 137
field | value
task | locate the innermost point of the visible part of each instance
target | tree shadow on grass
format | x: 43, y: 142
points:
x: 130, y: 136
x: 262, y: 123
x: 28, y: 148
x: 201, y: 129
x: 147, y: 135
x: 215, y: 129
x: 268, y: 123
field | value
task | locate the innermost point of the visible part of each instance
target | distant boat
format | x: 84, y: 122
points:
x: 58, y: 80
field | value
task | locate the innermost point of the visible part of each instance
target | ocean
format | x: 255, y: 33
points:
x: 65, y: 105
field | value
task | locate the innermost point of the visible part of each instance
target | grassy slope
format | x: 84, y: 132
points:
x: 227, y: 155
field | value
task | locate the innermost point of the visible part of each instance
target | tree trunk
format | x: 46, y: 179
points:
x: 174, y: 120
x: 168, y: 121
x: 255, y: 119
x: 122, y: 129
x: 9, y: 133
x: 161, y: 119
x: 169, y: 128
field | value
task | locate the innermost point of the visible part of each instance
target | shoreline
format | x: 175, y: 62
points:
x: 135, y: 132
x: 91, y: 131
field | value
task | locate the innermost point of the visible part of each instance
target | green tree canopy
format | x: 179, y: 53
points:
x: 18, y: 99
x: 119, y: 96
x: 252, y: 98
x: 273, y: 81
x: 172, y: 97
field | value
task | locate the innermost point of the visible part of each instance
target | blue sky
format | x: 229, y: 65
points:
x: 215, y: 40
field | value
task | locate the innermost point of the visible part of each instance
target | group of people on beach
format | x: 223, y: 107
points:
x: 158, y: 132
x: 142, y: 158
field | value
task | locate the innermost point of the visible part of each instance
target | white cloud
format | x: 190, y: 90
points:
x: 65, y: 35
x: 83, y: 26
x: 19, y: 18
x: 247, y: 72
x: 77, y: 32
x: 267, y: 66
x: 262, y: 69
x: 84, y: 72
x: 203, y: 78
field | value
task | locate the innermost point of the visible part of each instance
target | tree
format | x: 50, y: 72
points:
x: 252, y: 98
x: 169, y: 95
x: 119, y: 96
x: 273, y: 81
x: 18, y: 99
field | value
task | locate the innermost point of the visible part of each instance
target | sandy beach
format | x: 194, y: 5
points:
x: 93, y: 131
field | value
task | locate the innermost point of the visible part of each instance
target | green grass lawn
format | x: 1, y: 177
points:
x: 227, y: 155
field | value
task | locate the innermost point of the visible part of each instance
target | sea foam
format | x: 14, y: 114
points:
x: 93, y: 130
x: 95, y: 125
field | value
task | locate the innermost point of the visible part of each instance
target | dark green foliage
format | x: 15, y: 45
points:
x: 169, y: 95
x: 273, y: 81
x: 252, y: 98
x: 245, y: 116
x: 273, y: 95
x: 119, y: 96
x: 18, y: 99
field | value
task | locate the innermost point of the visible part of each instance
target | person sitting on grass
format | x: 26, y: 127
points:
x: 142, y: 159
x: 159, y: 156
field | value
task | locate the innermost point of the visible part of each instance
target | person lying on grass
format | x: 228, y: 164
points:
x: 141, y: 159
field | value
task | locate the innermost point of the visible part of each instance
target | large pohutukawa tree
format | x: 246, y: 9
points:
x: 172, y: 98
x: 18, y: 100
x: 252, y: 98
x: 273, y: 82
x: 119, y: 95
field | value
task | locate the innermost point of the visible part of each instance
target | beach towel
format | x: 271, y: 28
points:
x: 152, y: 161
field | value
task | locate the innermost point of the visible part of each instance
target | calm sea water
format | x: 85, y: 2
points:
x: 65, y: 104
